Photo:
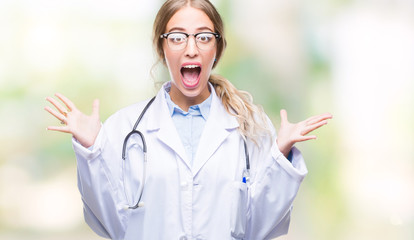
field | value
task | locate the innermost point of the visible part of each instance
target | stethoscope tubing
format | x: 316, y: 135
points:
x: 246, y: 174
x: 144, y: 150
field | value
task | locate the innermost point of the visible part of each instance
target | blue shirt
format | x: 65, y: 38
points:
x: 190, y: 125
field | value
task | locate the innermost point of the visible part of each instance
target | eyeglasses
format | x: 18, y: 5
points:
x: 178, y: 40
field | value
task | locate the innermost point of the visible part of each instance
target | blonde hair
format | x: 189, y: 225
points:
x: 250, y: 117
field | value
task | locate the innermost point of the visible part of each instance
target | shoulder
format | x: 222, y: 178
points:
x: 127, y: 115
x: 119, y: 124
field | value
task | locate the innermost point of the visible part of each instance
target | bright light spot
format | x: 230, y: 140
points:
x: 396, y: 220
x: 373, y: 73
x: 44, y: 49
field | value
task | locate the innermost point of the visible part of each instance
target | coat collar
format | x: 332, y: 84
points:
x: 217, y: 128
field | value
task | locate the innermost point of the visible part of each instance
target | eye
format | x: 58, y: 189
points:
x: 177, y: 38
x: 204, y: 37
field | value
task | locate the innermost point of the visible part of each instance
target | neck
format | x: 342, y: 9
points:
x: 185, y: 102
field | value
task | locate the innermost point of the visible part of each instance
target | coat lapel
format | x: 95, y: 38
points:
x: 159, y: 118
x: 217, y: 128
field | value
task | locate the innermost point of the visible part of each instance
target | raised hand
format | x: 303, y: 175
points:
x: 83, y: 127
x: 291, y: 133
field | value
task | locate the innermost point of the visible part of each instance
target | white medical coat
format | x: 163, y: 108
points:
x: 205, y: 201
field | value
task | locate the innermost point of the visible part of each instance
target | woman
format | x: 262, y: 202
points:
x: 199, y: 132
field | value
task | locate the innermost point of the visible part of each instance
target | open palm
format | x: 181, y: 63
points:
x: 291, y: 133
x: 83, y: 127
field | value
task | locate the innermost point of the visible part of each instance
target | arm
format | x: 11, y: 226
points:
x: 276, y: 181
x: 103, y: 202
x: 95, y: 181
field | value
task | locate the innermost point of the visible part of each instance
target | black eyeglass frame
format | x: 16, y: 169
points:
x: 165, y: 35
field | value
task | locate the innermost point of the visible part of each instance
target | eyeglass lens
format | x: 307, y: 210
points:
x: 178, y: 41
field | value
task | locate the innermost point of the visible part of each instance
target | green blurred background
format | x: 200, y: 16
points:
x: 354, y: 59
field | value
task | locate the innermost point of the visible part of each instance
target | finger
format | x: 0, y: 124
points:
x: 57, y: 105
x: 283, y: 116
x: 57, y: 115
x: 318, y: 118
x: 313, y: 127
x: 64, y: 129
x: 69, y: 104
x: 95, y: 107
x: 305, y: 138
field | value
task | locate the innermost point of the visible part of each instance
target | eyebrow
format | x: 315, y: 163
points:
x: 183, y: 29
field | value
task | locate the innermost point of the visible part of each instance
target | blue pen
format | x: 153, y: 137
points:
x: 246, y: 172
x: 246, y: 176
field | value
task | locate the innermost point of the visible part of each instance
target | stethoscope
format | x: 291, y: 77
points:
x: 246, y: 172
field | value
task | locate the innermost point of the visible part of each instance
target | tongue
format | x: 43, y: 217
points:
x: 190, y: 76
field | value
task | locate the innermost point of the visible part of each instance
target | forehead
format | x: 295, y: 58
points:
x: 190, y: 19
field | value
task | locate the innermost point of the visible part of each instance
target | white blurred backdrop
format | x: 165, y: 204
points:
x: 354, y: 59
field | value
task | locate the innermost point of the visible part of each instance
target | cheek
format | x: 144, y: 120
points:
x: 169, y: 58
x: 210, y: 59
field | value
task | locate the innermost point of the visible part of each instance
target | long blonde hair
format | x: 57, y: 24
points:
x: 238, y: 103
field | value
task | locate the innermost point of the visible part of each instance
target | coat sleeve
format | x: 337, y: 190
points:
x: 274, y: 185
x: 103, y: 202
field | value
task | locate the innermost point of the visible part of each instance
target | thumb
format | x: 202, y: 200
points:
x: 95, y: 107
x: 283, y: 116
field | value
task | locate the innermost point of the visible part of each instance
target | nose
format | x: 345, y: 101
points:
x: 191, y: 49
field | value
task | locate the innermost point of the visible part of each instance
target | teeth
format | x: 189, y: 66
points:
x: 191, y: 66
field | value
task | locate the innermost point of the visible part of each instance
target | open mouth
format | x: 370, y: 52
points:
x: 190, y: 74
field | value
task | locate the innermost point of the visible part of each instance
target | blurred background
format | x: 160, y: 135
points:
x: 354, y: 59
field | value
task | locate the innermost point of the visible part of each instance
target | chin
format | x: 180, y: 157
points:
x: 191, y: 92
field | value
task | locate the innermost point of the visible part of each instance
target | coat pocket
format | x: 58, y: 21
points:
x: 238, y: 217
x: 134, y: 228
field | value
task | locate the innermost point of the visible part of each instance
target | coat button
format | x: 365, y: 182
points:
x: 184, y: 185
